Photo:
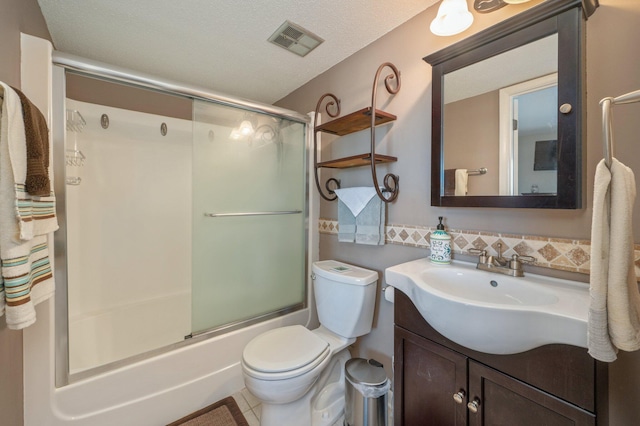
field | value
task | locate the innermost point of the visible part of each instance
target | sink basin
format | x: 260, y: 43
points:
x: 491, y: 312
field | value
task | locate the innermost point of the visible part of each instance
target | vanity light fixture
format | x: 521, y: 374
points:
x: 235, y: 135
x: 246, y: 128
x: 488, y: 6
x: 453, y: 18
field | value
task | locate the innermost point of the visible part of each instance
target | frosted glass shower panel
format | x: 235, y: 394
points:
x: 249, y: 214
x: 128, y: 216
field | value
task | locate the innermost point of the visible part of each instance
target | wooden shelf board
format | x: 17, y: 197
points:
x: 356, y: 161
x: 354, y: 122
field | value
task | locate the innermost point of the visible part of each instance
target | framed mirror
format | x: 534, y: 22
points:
x: 507, y: 116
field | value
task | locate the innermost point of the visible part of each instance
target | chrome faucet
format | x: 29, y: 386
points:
x: 498, y: 260
x: 501, y: 265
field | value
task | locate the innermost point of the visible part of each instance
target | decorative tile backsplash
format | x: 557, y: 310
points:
x: 555, y: 253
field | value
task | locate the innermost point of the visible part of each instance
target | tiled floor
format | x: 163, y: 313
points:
x: 249, y: 405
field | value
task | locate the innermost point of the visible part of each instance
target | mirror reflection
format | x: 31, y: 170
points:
x: 500, y: 124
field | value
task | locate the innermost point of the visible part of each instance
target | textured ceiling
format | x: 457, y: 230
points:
x: 222, y: 44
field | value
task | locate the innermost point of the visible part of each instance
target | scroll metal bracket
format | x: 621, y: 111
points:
x: 391, y: 182
x: 332, y: 108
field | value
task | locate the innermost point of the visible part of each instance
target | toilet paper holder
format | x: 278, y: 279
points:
x: 388, y: 293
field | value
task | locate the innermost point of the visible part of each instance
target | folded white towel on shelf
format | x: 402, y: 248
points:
x: 614, y: 311
x: 361, y: 216
x: 462, y: 178
x: 26, y: 275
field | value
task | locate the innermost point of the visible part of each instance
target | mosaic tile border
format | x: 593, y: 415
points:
x: 554, y: 253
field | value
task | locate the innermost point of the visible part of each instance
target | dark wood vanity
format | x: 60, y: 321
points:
x: 440, y: 383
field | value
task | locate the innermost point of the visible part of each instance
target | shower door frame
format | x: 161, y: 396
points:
x: 63, y: 63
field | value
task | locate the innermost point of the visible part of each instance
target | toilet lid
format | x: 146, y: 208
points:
x: 284, y: 349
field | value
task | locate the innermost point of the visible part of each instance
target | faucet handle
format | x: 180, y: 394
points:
x: 517, y: 260
x: 526, y: 259
x: 482, y: 254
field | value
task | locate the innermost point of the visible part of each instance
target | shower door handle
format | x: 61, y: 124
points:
x: 253, y: 213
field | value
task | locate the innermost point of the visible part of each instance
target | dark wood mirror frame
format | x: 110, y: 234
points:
x: 564, y: 17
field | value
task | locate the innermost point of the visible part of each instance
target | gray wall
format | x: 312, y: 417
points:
x: 476, y: 144
x: 612, y: 69
x: 16, y: 16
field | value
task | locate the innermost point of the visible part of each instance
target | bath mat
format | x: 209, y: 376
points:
x: 222, y: 413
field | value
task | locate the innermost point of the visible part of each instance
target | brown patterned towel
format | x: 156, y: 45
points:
x: 37, y: 136
x: 450, y: 182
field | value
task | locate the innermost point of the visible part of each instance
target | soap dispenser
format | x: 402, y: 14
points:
x: 440, y: 245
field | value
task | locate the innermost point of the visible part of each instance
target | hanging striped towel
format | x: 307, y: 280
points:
x: 25, y: 221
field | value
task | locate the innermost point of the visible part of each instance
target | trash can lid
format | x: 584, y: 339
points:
x: 365, y: 372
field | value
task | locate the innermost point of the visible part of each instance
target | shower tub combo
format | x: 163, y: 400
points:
x: 181, y: 239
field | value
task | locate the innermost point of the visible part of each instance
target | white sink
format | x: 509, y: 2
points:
x: 491, y: 312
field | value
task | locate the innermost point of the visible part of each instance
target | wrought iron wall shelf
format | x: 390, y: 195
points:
x: 356, y: 161
x: 357, y: 121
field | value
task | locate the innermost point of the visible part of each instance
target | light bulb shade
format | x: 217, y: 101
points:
x: 235, y: 134
x: 246, y: 128
x: 453, y: 18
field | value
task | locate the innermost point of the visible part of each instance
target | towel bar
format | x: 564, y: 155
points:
x: 607, y: 134
x: 475, y: 172
x: 253, y: 213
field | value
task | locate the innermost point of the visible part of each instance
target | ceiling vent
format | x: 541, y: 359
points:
x: 295, y: 39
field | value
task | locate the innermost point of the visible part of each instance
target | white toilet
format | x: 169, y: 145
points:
x: 297, y: 373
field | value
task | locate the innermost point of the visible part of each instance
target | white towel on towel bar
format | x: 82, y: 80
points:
x: 462, y: 179
x: 361, y: 216
x: 351, y: 201
x: 356, y: 198
x: 614, y: 312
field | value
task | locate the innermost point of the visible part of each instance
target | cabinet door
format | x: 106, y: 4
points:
x: 427, y: 376
x: 505, y: 401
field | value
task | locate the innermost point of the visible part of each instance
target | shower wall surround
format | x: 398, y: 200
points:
x: 554, y: 253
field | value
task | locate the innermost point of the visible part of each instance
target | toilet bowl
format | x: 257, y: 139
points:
x: 298, y: 374
x: 281, y: 365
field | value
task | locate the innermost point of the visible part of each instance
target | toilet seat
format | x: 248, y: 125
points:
x: 284, y: 353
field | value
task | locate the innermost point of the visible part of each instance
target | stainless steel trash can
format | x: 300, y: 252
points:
x: 366, y: 392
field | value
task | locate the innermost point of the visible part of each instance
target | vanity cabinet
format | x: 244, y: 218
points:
x: 440, y: 383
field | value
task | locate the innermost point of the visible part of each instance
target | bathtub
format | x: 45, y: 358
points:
x: 155, y: 391
x: 118, y: 332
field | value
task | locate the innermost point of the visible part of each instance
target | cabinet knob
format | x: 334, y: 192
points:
x: 458, y: 397
x: 473, y: 406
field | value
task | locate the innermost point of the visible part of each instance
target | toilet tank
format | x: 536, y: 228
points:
x: 345, y: 297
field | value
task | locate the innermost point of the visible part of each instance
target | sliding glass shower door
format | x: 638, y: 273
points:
x: 249, y: 231
x: 179, y: 217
